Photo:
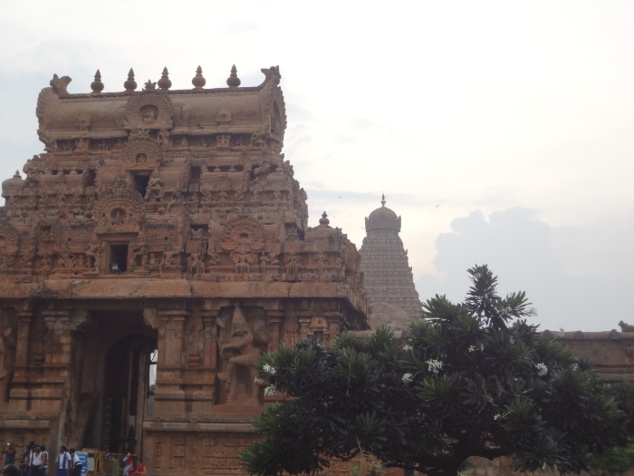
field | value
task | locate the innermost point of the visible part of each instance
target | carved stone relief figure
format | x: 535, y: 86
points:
x: 195, y: 264
x: 240, y: 355
x: 139, y: 252
x: 154, y: 188
x: 117, y: 216
x: 164, y: 139
x: 267, y: 259
x: 292, y: 263
x: 321, y: 260
x: 242, y: 261
x: 6, y: 262
x: 213, y: 258
x: 93, y: 256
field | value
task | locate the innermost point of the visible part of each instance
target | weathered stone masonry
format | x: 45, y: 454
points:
x: 168, y: 220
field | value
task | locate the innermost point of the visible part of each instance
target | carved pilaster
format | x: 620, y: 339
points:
x: 198, y: 376
x: 170, y: 397
x: 24, y: 330
x: 304, y: 324
x: 8, y: 344
x: 210, y: 338
x: 174, y: 332
x: 275, y: 328
x: 334, y: 321
x: 57, y: 338
x: 19, y: 392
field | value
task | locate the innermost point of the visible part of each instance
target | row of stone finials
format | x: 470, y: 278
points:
x: 164, y: 83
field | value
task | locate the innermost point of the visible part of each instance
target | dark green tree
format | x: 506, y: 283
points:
x: 474, y: 379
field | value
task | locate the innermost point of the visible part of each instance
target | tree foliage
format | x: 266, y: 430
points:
x: 473, y: 379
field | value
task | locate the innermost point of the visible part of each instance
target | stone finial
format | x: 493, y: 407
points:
x: 324, y: 219
x: 164, y: 83
x: 130, y: 84
x: 199, y: 81
x: 233, y: 81
x: 382, y: 199
x: 97, y: 85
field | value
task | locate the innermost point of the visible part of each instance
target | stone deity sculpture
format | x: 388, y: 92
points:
x: 241, y: 352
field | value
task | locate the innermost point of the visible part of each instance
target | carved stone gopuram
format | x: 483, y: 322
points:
x: 388, y: 280
x: 159, y: 222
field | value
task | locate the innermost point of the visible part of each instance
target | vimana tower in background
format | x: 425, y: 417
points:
x: 168, y: 223
x: 388, y: 279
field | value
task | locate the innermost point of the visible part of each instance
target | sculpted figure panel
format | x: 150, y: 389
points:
x: 245, y: 344
x: 149, y: 110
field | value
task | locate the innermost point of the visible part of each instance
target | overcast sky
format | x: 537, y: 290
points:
x: 501, y: 131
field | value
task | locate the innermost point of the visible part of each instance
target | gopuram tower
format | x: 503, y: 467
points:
x: 387, y: 276
x: 159, y: 222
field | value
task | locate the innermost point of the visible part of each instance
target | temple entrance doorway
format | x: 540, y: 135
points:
x: 126, y: 389
x: 116, y: 366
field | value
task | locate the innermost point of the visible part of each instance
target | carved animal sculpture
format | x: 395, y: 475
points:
x: 59, y: 85
x: 626, y: 327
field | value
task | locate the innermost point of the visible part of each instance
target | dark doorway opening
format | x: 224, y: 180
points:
x: 126, y: 390
x: 118, y: 262
x: 141, y: 181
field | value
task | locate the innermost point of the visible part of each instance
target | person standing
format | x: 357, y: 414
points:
x: 35, y: 462
x: 128, y: 465
x: 76, y: 464
x: 62, y: 462
x: 26, y: 459
x: 9, y: 454
x: 44, y: 461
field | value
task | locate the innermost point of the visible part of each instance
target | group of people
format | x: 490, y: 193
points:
x: 35, y: 461
x: 67, y: 462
